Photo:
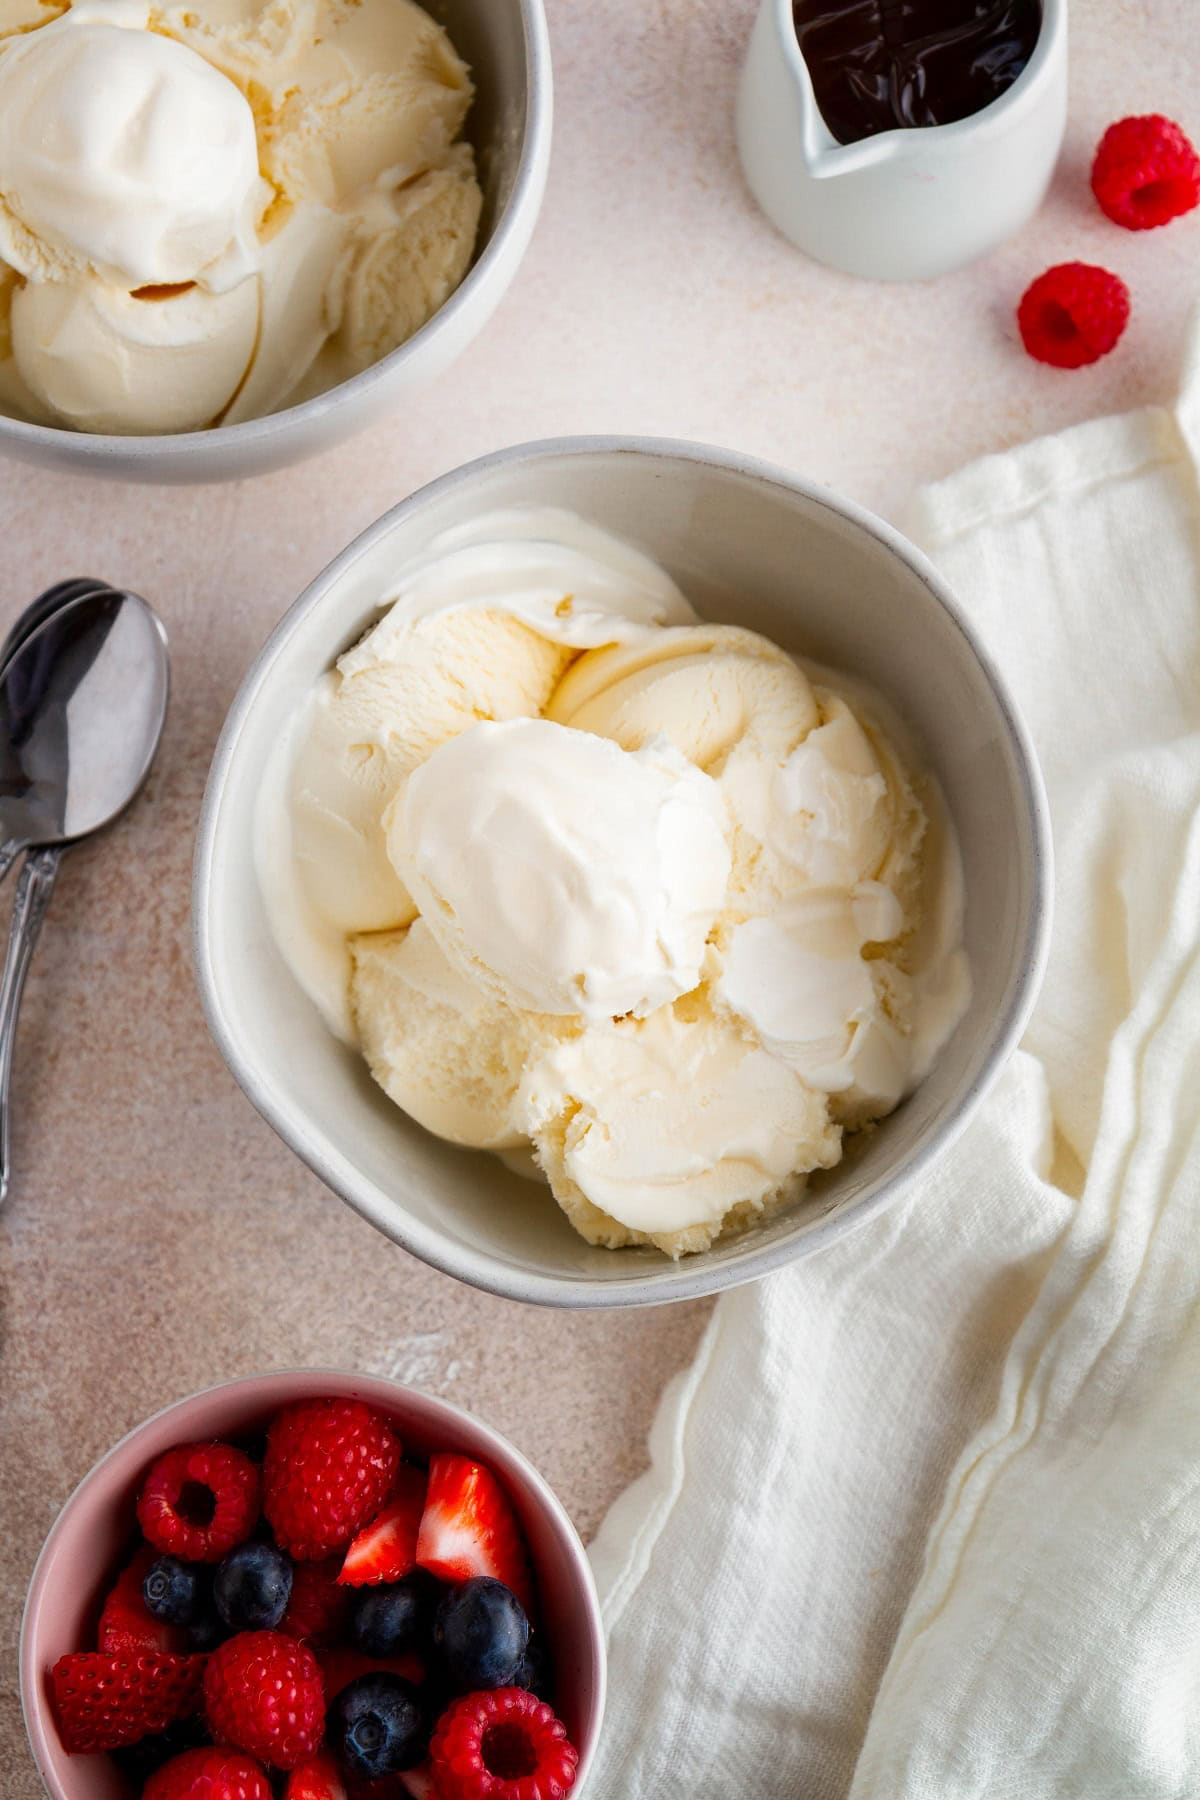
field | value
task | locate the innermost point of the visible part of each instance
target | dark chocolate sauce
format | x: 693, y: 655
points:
x: 877, y: 64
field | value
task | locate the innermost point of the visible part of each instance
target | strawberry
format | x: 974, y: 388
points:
x: 329, y: 1467
x: 317, y: 1609
x: 263, y: 1694
x: 340, y: 1667
x: 319, y: 1779
x: 105, y: 1700
x: 469, y: 1528
x: 126, y: 1623
x: 386, y: 1549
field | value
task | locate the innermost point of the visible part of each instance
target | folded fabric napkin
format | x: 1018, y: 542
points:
x: 923, y: 1519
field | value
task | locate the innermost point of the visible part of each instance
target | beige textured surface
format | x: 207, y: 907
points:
x: 159, y: 1237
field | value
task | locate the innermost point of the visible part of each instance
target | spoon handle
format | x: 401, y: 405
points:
x: 9, y: 852
x: 34, y: 888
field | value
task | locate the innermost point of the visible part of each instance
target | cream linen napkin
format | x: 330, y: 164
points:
x: 923, y: 1519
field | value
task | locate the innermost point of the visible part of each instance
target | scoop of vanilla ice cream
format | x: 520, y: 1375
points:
x: 565, y: 578
x: 440, y: 1045
x: 668, y: 1129
x: 101, y: 359
x: 125, y: 155
x: 391, y: 701
x: 710, y: 688
x: 406, y: 259
x: 349, y: 96
x: 800, y: 979
x: 564, y: 873
x: 300, y: 264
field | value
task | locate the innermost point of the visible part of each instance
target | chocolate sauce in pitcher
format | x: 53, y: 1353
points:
x: 879, y: 64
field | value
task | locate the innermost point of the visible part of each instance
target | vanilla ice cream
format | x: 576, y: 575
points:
x: 565, y: 874
x: 210, y: 210
x: 587, y: 877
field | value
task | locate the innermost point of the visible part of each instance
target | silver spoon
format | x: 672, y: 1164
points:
x: 82, y: 704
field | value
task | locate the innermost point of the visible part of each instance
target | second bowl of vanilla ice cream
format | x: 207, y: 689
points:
x: 220, y: 219
x: 648, y: 830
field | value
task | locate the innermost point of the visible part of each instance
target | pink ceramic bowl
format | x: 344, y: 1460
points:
x: 96, y: 1525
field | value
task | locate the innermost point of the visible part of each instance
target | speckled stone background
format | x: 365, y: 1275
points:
x: 159, y: 1238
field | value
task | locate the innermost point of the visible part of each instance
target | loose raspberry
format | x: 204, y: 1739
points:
x: 107, y: 1700
x: 263, y: 1694
x: 318, y: 1608
x: 198, y: 1501
x: 1073, y: 314
x: 503, y: 1745
x: 1146, y: 172
x: 208, y: 1775
x: 329, y: 1467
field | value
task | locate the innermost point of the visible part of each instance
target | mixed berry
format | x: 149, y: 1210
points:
x: 333, y: 1622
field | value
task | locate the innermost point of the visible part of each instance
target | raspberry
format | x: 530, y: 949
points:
x: 1146, y: 172
x: 104, y: 1701
x: 318, y: 1607
x: 263, y: 1694
x: 198, y: 1501
x: 208, y: 1775
x: 503, y: 1745
x: 1073, y: 314
x: 329, y: 1467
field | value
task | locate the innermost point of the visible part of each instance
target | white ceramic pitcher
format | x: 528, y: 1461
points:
x: 909, y: 203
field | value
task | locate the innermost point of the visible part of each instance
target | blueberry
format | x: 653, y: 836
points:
x: 396, y: 1617
x: 377, y: 1726
x: 481, y: 1631
x: 252, y: 1587
x: 175, y: 1591
x: 535, y: 1672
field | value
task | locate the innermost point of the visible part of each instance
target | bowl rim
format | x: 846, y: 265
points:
x: 175, y: 449
x: 36, y: 1714
x: 674, y: 1281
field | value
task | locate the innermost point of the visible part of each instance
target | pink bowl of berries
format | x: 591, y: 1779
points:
x: 312, y: 1586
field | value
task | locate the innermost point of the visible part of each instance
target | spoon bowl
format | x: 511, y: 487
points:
x: 82, y: 705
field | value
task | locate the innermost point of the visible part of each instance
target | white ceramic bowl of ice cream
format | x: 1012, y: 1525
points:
x: 750, y: 546
x: 146, y: 201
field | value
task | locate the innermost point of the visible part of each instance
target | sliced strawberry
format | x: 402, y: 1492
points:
x: 319, y: 1779
x: 386, y: 1549
x: 105, y: 1701
x: 469, y: 1528
x: 317, y: 1609
x: 127, y: 1623
x: 340, y: 1667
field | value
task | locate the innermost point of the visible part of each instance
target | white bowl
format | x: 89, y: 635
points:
x: 747, y: 543
x: 506, y: 45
